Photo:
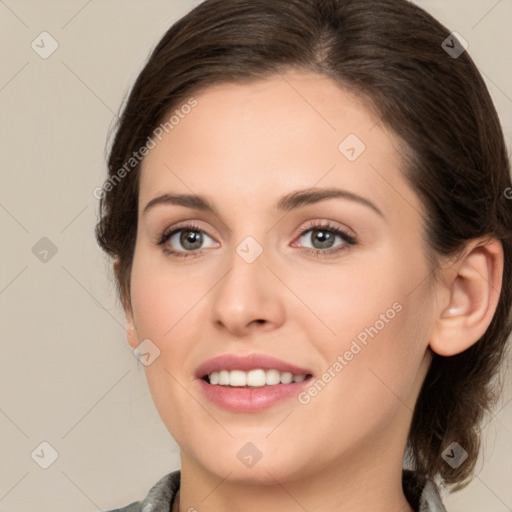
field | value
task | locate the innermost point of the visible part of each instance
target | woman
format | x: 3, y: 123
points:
x: 308, y: 218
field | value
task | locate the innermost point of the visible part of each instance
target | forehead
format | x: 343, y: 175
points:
x: 259, y: 138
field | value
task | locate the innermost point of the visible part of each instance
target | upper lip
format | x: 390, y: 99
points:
x: 247, y: 363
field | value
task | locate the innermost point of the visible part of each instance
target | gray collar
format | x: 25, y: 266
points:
x: 430, y: 499
x: 422, y: 497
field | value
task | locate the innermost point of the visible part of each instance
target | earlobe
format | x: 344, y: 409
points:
x: 131, y: 336
x: 131, y: 332
x: 474, y: 288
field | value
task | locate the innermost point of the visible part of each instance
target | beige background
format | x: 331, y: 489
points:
x: 67, y: 376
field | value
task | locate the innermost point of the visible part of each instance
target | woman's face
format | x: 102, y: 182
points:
x: 265, y: 276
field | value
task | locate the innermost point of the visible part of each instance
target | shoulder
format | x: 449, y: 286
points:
x: 159, y: 497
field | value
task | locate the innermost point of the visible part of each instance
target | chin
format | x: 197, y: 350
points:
x: 265, y: 471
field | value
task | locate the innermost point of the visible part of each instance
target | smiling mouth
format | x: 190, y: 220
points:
x: 256, y: 378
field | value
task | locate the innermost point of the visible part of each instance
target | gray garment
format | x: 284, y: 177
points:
x: 423, y: 498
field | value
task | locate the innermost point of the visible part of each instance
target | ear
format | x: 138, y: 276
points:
x: 131, y: 331
x: 471, y: 292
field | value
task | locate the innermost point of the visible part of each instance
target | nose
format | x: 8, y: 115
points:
x: 248, y: 297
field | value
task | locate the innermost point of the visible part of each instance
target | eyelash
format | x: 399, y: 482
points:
x: 348, y: 239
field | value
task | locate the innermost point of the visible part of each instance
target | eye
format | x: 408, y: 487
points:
x: 187, y: 239
x: 323, y: 237
x: 189, y: 236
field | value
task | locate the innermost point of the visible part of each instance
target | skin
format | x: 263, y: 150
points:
x: 244, y: 146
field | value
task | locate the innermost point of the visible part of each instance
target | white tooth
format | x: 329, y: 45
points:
x: 256, y: 378
x: 272, y: 377
x: 253, y: 378
x: 224, y: 378
x: 237, y: 378
x: 286, y: 377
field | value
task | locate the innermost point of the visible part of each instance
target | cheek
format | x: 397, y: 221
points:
x: 162, y: 305
x: 341, y: 304
x: 168, y: 311
x: 378, y: 369
x: 162, y: 297
x: 377, y: 318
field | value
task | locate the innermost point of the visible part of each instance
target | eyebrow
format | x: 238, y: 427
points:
x: 286, y: 203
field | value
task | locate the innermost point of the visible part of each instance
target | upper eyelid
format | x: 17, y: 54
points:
x: 192, y: 226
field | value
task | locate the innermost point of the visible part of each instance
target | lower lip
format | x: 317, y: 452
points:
x: 251, y: 399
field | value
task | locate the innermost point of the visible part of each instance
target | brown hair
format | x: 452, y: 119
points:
x: 390, y: 53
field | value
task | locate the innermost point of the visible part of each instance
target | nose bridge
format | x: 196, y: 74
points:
x: 247, y: 264
x: 245, y: 294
